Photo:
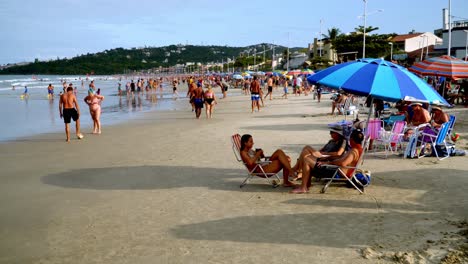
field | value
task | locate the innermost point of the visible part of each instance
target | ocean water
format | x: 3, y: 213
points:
x: 36, y: 114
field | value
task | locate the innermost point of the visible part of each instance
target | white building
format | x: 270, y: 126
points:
x: 414, y: 41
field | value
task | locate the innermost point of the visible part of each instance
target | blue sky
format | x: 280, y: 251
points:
x: 66, y: 28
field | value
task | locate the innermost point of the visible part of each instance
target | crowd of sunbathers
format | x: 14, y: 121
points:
x: 338, y: 151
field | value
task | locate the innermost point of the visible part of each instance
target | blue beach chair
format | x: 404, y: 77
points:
x: 437, y: 141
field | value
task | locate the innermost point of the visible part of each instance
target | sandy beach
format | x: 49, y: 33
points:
x: 164, y: 188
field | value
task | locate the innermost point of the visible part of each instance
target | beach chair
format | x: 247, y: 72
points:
x: 390, y: 140
x: 373, y: 131
x: 353, y: 180
x: 347, y: 108
x: 412, y: 150
x: 236, y: 144
x: 389, y: 121
x: 437, y: 141
x: 451, y: 121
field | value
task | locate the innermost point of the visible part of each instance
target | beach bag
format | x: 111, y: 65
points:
x: 362, y: 178
x: 443, y: 151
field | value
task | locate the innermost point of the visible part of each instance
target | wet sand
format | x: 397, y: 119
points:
x: 164, y: 188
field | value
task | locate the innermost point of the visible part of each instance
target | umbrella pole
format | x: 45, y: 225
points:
x: 366, y: 140
x: 443, y: 88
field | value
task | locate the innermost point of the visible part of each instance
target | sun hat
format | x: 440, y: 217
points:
x: 337, y: 129
x: 413, y: 104
x: 435, y: 107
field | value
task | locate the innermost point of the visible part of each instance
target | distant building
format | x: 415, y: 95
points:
x: 459, y: 36
x: 414, y: 41
x: 414, y: 45
x: 296, y: 61
x: 324, y: 49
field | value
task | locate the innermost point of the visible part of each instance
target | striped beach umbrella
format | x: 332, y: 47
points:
x: 307, y: 71
x: 379, y: 78
x: 294, y: 72
x: 446, y: 66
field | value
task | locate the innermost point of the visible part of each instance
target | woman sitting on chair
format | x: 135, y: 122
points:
x: 279, y: 160
x: 335, y: 147
x: 349, y: 159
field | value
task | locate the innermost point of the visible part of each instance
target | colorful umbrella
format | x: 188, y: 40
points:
x: 379, y: 78
x: 442, y: 66
x: 294, y: 72
x: 307, y: 71
x: 237, y: 76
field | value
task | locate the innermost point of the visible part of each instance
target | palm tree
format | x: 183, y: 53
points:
x: 332, y: 33
x: 369, y: 29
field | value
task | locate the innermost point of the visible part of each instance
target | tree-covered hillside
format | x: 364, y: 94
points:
x: 121, y: 60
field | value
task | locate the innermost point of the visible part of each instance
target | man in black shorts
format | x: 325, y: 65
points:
x: 71, y: 110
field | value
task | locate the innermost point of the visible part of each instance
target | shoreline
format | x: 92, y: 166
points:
x: 165, y: 188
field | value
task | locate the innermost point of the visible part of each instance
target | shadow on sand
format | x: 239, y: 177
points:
x: 330, y: 228
x: 156, y: 177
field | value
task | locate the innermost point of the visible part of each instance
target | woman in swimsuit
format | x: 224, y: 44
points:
x: 94, y: 102
x: 278, y: 160
x: 210, y: 101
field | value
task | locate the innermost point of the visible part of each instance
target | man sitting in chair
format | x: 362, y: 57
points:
x: 279, y: 160
x: 419, y: 115
x: 332, y: 150
x: 349, y: 159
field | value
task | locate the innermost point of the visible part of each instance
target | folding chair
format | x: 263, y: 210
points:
x: 391, y: 139
x: 412, y: 150
x: 437, y: 140
x: 451, y: 121
x: 373, y: 131
x: 236, y: 144
x: 347, y: 108
x: 341, y: 176
x: 389, y: 121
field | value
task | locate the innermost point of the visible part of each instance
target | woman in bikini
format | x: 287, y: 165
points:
x: 94, y: 102
x: 210, y: 101
x: 279, y: 160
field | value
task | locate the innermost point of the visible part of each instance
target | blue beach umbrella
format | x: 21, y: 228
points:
x: 378, y: 78
x: 237, y: 76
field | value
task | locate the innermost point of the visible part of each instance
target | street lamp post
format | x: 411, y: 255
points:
x: 450, y: 28
x: 391, y: 50
x: 364, y: 37
x: 255, y: 59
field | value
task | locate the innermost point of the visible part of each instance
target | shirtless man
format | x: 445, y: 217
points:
x: 255, y: 93
x: 71, y: 109
x: 420, y: 115
x: 175, y: 83
x: 340, y: 99
x: 191, y: 89
x: 50, y: 91
x: 270, y: 87
x: 197, y: 95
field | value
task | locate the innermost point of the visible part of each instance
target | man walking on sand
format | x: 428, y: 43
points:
x: 270, y: 87
x: 71, y: 109
x: 255, y: 93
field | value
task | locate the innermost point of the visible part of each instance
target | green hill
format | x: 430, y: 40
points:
x: 121, y: 60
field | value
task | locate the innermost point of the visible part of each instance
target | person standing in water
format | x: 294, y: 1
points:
x: 50, y: 91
